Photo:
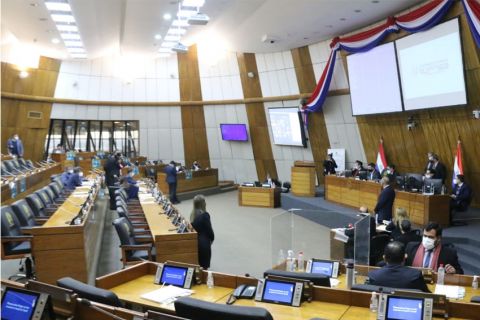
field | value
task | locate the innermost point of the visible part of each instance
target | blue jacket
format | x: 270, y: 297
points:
x: 15, y: 147
x: 171, y: 174
x: 385, y: 204
x: 464, y: 195
x: 65, y: 177
x: 398, y: 276
x: 73, y: 181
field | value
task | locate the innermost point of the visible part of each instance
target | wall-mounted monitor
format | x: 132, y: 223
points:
x: 431, y: 67
x: 287, y: 126
x: 374, y: 83
x: 234, y: 131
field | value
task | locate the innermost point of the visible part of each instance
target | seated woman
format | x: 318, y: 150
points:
x: 395, y: 225
x: 130, y: 184
x: 200, y: 221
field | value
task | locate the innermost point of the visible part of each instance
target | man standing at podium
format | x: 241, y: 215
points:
x: 383, y: 209
x: 171, y: 179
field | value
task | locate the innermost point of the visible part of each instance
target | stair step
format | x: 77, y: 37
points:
x: 469, y: 250
x: 469, y: 264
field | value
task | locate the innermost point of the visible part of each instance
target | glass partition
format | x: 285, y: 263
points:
x: 361, y: 249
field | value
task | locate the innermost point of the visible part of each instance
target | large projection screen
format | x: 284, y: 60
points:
x: 374, y: 83
x: 431, y: 68
x: 286, y: 126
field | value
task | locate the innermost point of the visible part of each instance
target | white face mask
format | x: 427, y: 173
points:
x: 80, y: 174
x: 70, y: 171
x: 455, y: 181
x: 428, y: 243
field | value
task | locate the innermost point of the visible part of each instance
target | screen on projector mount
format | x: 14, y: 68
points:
x: 431, y: 67
x: 374, y: 83
x: 287, y: 127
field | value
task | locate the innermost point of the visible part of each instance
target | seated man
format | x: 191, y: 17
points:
x: 130, y: 184
x: 66, y: 175
x: 395, y: 274
x: 357, y: 168
x: 431, y: 253
x: 390, y: 171
x: 196, y: 166
x: 461, y: 195
x: 373, y: 173
x: 75, y: 179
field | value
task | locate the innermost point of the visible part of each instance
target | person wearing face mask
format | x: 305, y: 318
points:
x: 461, y: 196
x: 196, y: 166
x: 112, y: 169
x: 75, y: 179
x: 395, y: 274
x: 429, y: 174
x: 429, y: 161
x: 390, y: 171
x: 383, y: 209
x: 440, y: 169
x: 130, y: 184
x: 431, y: 253
x: 329, y: 165
x: 373, y: 173
x: 15, y: 146
x: 357, y: 168
x: 171, y: 179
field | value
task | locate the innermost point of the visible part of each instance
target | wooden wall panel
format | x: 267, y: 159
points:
x: 438, y: 129
x: 317, y: 130
x: 193, y: 119
x: 257, y: 120
x: 41, y: 82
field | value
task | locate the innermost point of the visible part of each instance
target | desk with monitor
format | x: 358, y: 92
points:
x: 259, y: 197
x: 356, y: 193
x: 201, y: 179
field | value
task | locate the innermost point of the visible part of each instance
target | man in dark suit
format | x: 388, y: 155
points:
x: 171, y: 179
x: 329, y: 165
x: 440, y: 169
x: 373, y: 173
x: 431, y: 253
x: 112, y: 169
x: 357, y: 168
x: 384, y: 206
x: 394, y: 274
x: 461, y: 196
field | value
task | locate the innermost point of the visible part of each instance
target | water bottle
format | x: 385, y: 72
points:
x: 281, y: 257
x: 301, y: 263
x: 210, y: 280
x: 441, y: 275
x: 475, y: 282
x: 350, y: 275
x: 289, y: 265
x: 374, y: 302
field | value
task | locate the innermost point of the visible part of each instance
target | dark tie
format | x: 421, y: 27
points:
x: 427, y: 260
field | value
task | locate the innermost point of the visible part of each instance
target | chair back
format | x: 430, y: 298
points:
x: 90, y: 292
x: 30, y: 164
x: 36, y: 204
x: 10, y: 227
x: 55, y: 189
x: 22, y: 162
x: 124, y: 231
x: 9, y: 166
x: 43, y: 195
x: 16, y: 164
x: 377, y: 247
x: 50, y: 193
x: 24, y: 213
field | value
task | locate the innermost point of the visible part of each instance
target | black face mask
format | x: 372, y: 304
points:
x: 370, y: 170
x: 431, y: 161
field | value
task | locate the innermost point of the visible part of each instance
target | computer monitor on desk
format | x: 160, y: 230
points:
x: 404, y: 308
x: 23, y: 304
x: 316, y: 278
x: 433, y: 186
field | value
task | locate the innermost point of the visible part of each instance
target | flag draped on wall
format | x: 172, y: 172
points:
x: 472, y: 11
x: 381, y: 159
x: 417, y: 20
x: 458, y: 163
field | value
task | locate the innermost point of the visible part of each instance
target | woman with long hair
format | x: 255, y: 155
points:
x: 200, y: 221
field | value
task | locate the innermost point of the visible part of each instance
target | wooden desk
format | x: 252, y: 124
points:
x: 170, y: 245
x: 303, y: 181
x: 259, y: 197
x: 62, y: 250
x: 200, y: 180
x: 34, y: 181
x: 356, y: 193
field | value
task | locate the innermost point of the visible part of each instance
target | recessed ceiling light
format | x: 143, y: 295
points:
x: 158, y: 36
x: 172, y: 37
x: 70, y: 36
x: 167, y: 16
x: 73, y: 43
x: 67, y: 27
x: 58, y: 6
x: 55, y: 40
x: 185, y: 13
x: 63, y: 18
x: 343, y: 19
x: 358, y: 10
x: 193, y: 3
x: 180, y: 23
x: 176, y: 31
x: 164, y: 54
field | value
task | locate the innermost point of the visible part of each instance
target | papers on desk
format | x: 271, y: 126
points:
x: 80, y: 194
x: 452, y: 292
x: 334, y: 282
x: 340, y: 235
x: 166, y: 295
x: 146, y: 198
x: 382, y: 228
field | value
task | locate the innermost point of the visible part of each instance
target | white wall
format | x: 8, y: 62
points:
x: 342, y: 127
x: 278, y: 78
x: 220, y: 79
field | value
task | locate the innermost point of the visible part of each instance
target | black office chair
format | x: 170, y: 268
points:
x: 317, y: 279
x: 152, y: 315
x: 131, y: 211
x: 151, y: 172
x: 286, y: 187
x: 25, y: 214
x: 195, y: 309
x: 57, y: 191
x: 132, y: 250
x: 475, y: 299
x: 38, y: 207
x: 5, y: 171
x: 15, y: 245
x: 24, y: 164
x: 10, y: 167
x: 377, y: 248
x: 47, y: 201
x: 90, y: 292
x: 52, y: 195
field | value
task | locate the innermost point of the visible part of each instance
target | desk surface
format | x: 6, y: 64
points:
x: 356, y: 313
x: 69, y: 209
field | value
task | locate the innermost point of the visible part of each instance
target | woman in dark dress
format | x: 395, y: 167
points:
x: 200, y: 220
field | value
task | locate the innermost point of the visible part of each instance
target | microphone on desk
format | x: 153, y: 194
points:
x: 89, y: 304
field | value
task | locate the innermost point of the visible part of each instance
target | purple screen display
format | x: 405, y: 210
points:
x: 235, y: 132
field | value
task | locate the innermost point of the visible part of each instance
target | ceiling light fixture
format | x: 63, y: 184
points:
x: 179, y: 31
x: 183, y: 13
x: 199, y: 19
x: 58, y: 6
x: 172, y: 38
x: 180, y: 23
x: 67, y: 27
x: 164, y: 55
x: 168, y: 44
x: 193, y: 3
x: 63, y: 18
x: 70, y: 36
x: 73, y: 43
x: 167, y: 16
x: 78, y: 55
x: 158, y: 36
x: 55, y: 40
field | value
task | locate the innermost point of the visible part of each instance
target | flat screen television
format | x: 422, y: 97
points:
x: 234, y: 131
x: 287, y: 126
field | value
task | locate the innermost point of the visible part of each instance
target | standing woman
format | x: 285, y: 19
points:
x: 200, y: 220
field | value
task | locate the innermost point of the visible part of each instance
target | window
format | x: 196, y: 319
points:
x: 92, y: 135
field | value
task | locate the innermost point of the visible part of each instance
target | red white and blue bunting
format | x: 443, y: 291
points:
x: 417, y: 20
x: 472, y: 11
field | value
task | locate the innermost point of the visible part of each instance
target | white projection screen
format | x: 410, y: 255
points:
x: 431, y: 68
x: 374, y: 83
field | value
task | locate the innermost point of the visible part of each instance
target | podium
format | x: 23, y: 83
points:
x: 303, y: 178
